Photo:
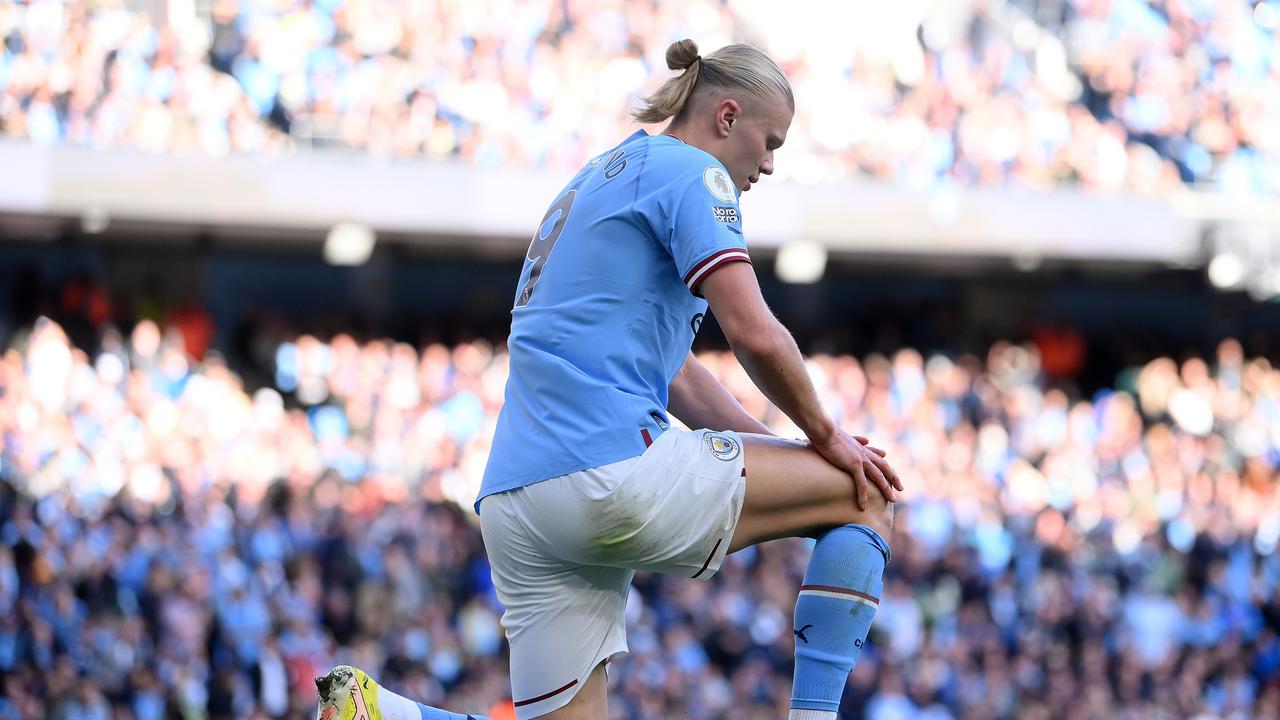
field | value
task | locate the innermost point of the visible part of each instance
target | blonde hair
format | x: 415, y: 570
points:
x: 738, y: 66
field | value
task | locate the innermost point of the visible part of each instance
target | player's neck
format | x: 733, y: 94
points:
x: 693, y: 136
x: 687, y: 135
x: 684, y: 132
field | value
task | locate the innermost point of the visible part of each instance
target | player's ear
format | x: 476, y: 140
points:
x: 727, y: 113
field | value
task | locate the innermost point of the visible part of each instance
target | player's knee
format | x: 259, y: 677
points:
x: 878, y: 515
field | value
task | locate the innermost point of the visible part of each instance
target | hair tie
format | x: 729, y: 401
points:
x: 696, y: 58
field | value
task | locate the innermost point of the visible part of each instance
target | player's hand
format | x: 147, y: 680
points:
x: 864, y: 463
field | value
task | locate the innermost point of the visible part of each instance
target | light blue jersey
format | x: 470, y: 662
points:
x: 607, y: 307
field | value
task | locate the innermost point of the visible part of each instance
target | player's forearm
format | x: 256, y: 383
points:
x: 700, y: 401
x: 776, y: 366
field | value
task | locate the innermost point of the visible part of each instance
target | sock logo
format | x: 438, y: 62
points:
x: 800, y: 634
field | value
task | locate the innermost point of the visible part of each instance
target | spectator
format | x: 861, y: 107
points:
x: 176, y: 543
x: 1111, y: 96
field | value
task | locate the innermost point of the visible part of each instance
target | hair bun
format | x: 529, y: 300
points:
x: 682, y: 54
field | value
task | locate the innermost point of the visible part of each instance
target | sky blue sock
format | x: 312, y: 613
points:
x: 430, y: 713
x: 837, y: 602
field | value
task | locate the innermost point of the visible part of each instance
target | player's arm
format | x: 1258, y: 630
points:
x: 700, y: 401
x: 770, y: 356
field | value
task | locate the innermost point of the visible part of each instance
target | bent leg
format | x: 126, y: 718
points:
x: 834, y: 610
x: 792, y: 491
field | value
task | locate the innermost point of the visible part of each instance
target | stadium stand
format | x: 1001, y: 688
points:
x: 176, y: 539
x: 1108, y: 95
x: 226, y: 465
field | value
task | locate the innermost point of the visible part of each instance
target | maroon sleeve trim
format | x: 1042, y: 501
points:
x: 712, y: 263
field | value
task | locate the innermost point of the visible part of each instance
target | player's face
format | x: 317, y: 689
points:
x: 753, y: 140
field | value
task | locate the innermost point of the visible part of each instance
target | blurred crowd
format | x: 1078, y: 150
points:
x: 1110, y: 95
x: 177, y: 544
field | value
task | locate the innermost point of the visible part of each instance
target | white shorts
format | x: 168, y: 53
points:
x: 563, y: 552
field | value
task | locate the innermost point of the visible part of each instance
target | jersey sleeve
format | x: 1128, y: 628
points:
x: 703, y: 225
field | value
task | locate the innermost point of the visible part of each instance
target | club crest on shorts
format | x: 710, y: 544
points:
x: 717, y: 181
x: 723, y: 446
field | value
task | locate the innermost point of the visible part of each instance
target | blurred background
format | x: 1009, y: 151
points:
x: 256, y: 264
